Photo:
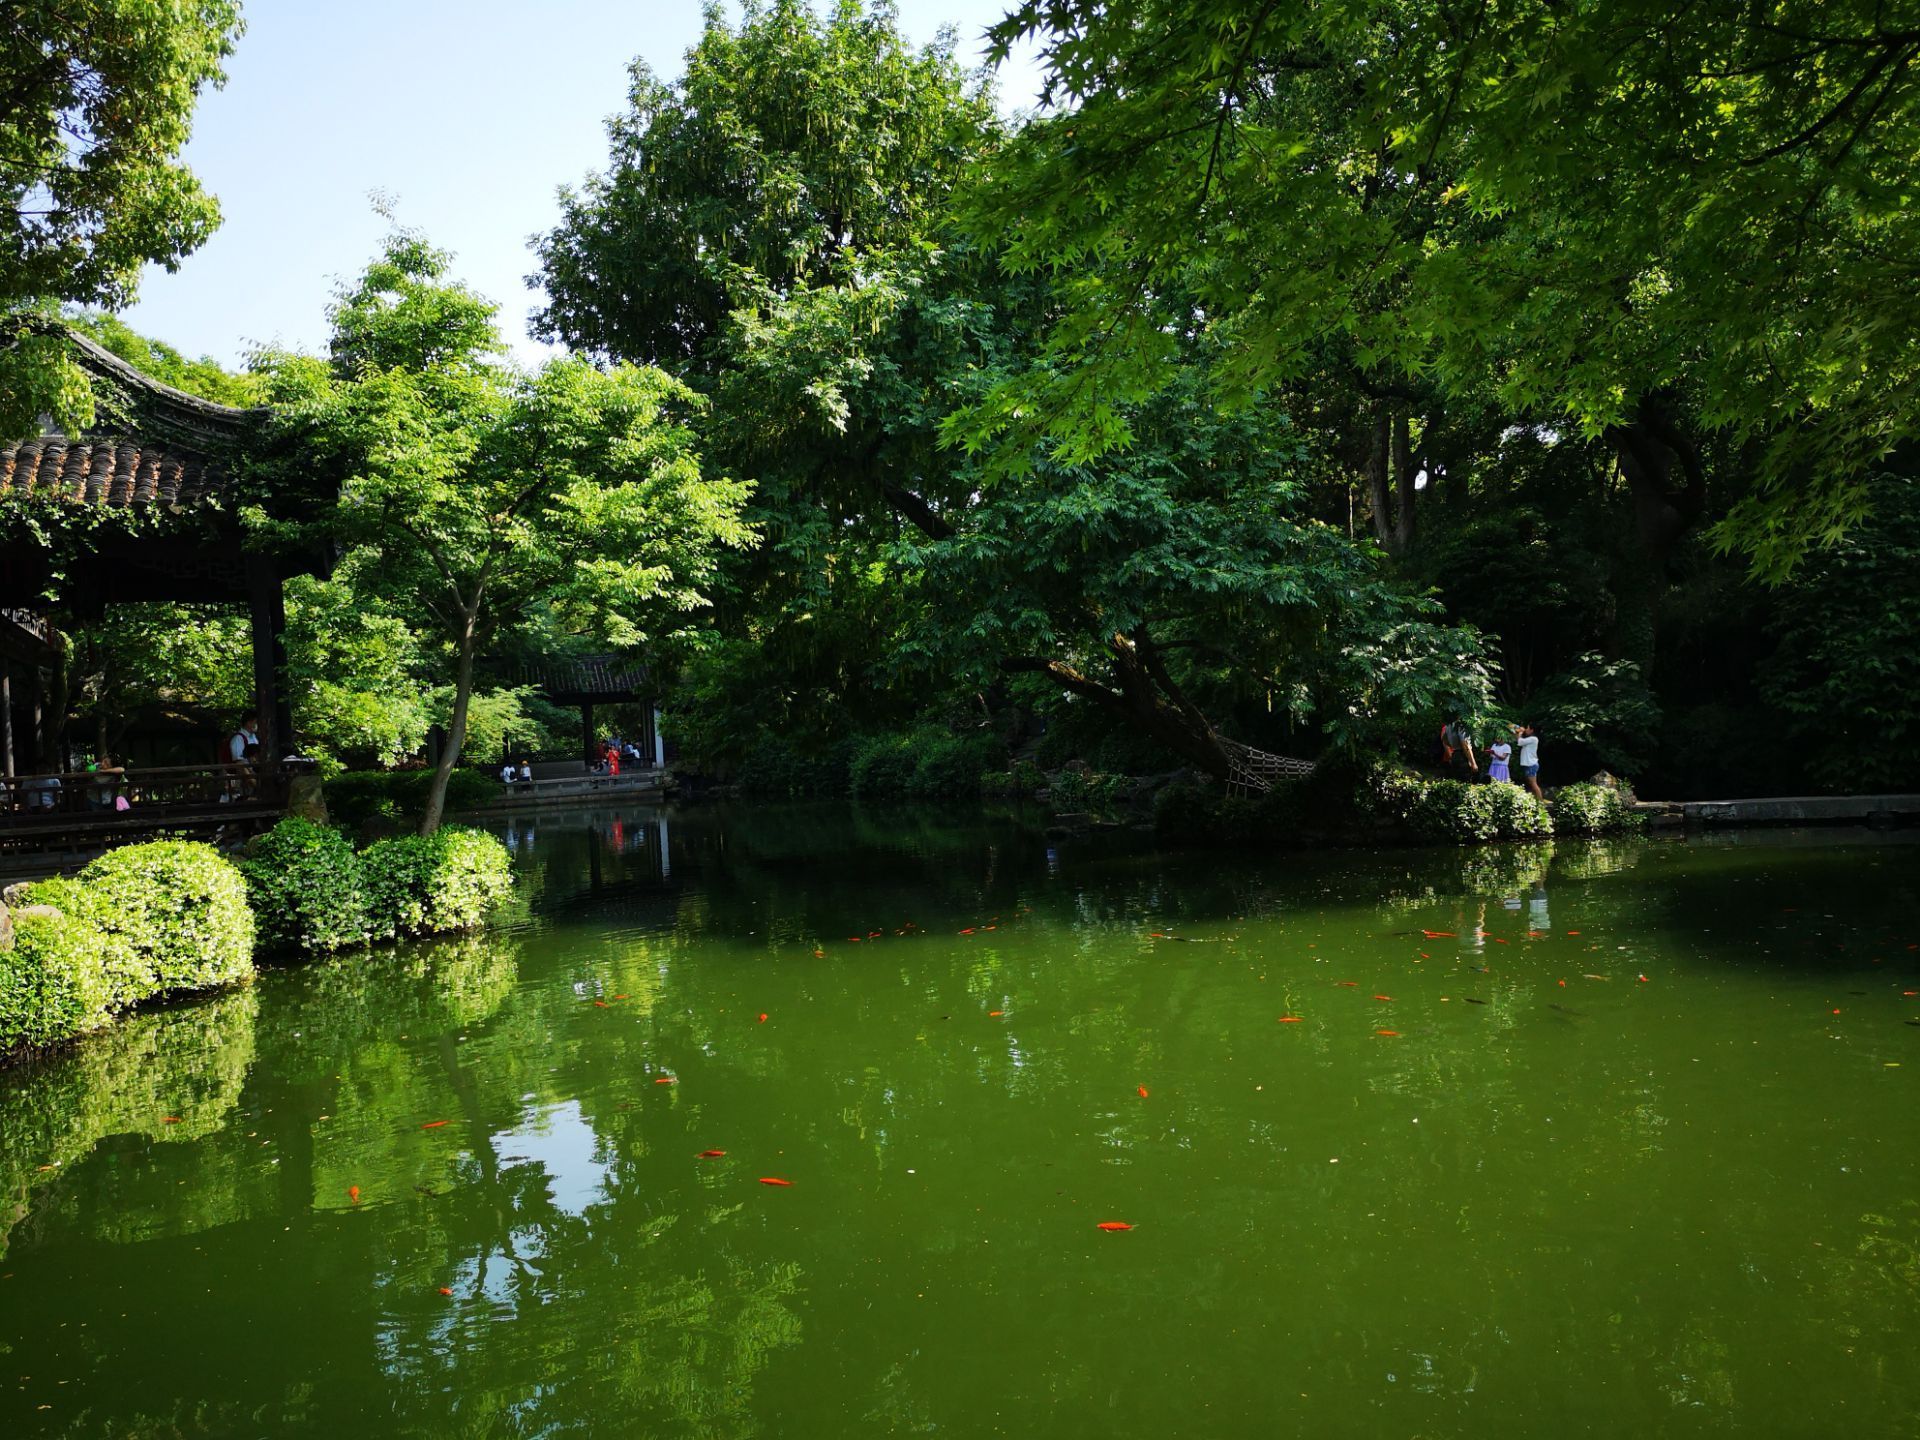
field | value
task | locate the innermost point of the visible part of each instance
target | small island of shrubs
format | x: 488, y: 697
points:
x: 174, y: 916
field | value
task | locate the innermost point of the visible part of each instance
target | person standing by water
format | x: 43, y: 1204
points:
x: 1528, y: 739
x: 1498, y: 754
x: 1454, y: 736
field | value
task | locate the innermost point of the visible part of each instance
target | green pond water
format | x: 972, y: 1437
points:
x: 458, y: 1189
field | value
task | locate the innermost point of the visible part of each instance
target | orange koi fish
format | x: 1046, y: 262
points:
x: 1573, y: 932
x: 663, y: 1080
x: 353, y: 1193
x: 1113, y: 1225
x: 1349, y: 984
x: 433, y: 1125
x: 1383, y: 997
x: 1286, y: 1020
x: 711, y: 1154
x: 1143, y: 1092
x: 599, y: 1004
x: 1391, y: 1034
x: 169, y: 1119
x: 774, y: 1180
x: 967, y: 931
x: 446, y: 1289
x: 1441, y: 934
x: 995, y: 1014
x: 763, y: 1017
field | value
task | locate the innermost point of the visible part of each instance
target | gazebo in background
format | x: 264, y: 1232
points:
x: 586, y: 681
x: 151, y: 496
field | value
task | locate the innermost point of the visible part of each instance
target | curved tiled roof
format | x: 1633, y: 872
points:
x: 585, y: 677
x: 107, y: 473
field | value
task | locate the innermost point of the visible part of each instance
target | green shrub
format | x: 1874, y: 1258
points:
x: 1072, y: 790
x: 1023, y: 777
x: 950, y: 765
x: 1587, y: 809
x: 127, y: 975
x: 1450, y: 812
x: 306, y: 887
x: 774, y: 766
x: 448, y: 881
x: 52, y: 985
x: 1380, y: 793
x: 1517, y: 814
x: 883, y: 766
x: 180, y: 907
x: 399, y: 797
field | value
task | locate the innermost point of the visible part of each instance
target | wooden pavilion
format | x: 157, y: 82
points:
x: 144, y: 506
x: 585, y: 681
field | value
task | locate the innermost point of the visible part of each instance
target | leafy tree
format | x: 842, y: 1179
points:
x: 755, y: 221
x: 1611, y: 218
x: 790, y: 148
x: 1847, y: 662
x: 472, y: 492
x: 95, y: 103
x: 893, y: 562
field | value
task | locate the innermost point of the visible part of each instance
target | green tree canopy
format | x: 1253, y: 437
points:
x: 1619, y: 218
x: 473, y: 492
x: 96, y: 99
x: 791, y: 147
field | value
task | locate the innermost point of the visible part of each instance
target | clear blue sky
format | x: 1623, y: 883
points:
x: 467, y: 113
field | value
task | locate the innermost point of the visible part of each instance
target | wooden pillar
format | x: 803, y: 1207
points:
x: 659, y: 741
x: 586, y: 733
x: 267, y: 610
x: 38, y: 762
x: 6, y: 714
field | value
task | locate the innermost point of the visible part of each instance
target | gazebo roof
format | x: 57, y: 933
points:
x: 593, y: 678
x: 152, y: 451
x: 150, y: 445
x: 110, y: 474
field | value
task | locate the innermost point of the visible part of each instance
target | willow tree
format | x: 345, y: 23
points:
x: 472, y: 492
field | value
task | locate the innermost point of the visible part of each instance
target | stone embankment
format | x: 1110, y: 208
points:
x: 1887, y: 810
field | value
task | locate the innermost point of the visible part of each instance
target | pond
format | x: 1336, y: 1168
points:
x: 817, y: 1122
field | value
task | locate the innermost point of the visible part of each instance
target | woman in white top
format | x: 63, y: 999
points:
x: 1528, y: 740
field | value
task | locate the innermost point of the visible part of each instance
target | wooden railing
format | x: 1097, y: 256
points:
x: 140, y: 797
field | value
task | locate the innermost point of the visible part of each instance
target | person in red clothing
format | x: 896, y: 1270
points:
x: 611, y: 755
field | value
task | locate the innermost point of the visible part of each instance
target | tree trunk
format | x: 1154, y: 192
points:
x: 1649, y: 447
x: 1390, y: 475
x: 1146, y: 697
x: 456, y: 732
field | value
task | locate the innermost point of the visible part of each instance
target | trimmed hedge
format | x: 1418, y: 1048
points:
x: 434, y: 885
x: 180, y: 907
x: 52, y: 984
x: 172, y: 915
x: 306, y: 886
x: 1588, y: 809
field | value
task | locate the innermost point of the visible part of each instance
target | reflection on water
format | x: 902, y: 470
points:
x: 1408, y: 1142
